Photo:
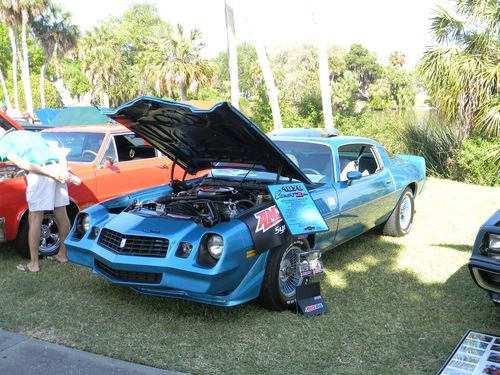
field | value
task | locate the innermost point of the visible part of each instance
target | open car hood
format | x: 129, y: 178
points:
x: 7, y: 123
x: 197, y: 138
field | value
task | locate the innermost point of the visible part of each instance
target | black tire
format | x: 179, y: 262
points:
x: 49, y: 231
x: 278, y: 287
x: 401, y: 219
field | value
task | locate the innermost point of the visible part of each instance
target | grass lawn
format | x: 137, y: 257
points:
x: 396, y: 306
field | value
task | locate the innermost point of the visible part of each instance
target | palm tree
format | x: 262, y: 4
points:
x: 174, y: 60
x: 397, y: 59
x: 9, y: 14
x: 272, y: 91
x: 102, y: 59
x: 4, y: 89
x: 462, y: 73
x: 233, y: 56
x: 56, y: 34
x: 29, y: 9
x: 324, y: 74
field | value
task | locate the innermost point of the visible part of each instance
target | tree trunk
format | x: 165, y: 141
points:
x: 272, y: 91
x: 43, y: 69
x: 4, y: 88
x: 13, y: 45
x: 25, y: 67
x: 324, y: 76
x: 182, y: 91
x: 105, y: 96
x: 233, y: 55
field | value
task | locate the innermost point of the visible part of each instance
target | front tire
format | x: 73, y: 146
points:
x: 282, y: 276
x: 49, y: 235
x: 401, y: 219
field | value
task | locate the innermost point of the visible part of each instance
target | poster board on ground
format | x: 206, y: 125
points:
x: 476, y: 353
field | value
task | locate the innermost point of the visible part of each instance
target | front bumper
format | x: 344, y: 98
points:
x: 235, y: 279
x: 485, y: 273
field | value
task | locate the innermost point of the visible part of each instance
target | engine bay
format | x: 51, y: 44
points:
x: 9, y: 171
x: 207, y: 203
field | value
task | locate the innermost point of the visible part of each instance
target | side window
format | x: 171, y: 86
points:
x: 110, y: 153
x: 358, y: 157
x: 132, y: 147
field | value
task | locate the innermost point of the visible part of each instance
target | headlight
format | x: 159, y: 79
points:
x: 215, y: 244
x: 83, y: 223
x: 494, y: 242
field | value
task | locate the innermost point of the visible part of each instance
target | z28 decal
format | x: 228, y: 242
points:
x: 267, y: 218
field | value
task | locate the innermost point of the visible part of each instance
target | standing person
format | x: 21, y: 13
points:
x: 46, y: 187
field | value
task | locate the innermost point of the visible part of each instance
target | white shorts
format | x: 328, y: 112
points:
x: 44, y: 193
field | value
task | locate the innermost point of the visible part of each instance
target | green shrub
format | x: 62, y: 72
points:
x: 434, y: 141
x: 52, y: 96
x: 470, y: 163
x: 381, y: 126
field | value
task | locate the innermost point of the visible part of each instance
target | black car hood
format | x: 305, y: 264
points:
x: 197, y: 138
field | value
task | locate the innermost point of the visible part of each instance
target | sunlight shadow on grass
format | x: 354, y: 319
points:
x: 459, y: 247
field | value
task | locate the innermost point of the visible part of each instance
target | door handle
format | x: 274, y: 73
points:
x: 162, y: 166
x: 388, y: 181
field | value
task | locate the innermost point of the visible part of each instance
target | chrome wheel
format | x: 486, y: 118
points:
x: 289, y: 277
x: 405, y: 213
x: 49, y: 235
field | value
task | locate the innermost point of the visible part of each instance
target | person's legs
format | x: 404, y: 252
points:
x: 61, y: 200
x: 40, y: 198
x: 63, y: 225
x: 35, y: 221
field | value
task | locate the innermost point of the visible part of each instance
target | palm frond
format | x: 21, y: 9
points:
x: 445, y: 27
x: 488, y: 117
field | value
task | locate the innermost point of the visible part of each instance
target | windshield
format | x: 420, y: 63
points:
x: 84, y: 146
x: 314, y: 159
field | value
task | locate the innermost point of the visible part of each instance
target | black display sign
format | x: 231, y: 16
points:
x: 476, y: 353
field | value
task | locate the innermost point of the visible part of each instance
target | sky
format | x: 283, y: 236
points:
x: 382, y: 26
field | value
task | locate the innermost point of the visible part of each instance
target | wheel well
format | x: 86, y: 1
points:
x: 72, y: 210
x: 413, y: 187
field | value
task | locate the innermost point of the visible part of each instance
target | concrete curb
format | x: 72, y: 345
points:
x: 24, y: 355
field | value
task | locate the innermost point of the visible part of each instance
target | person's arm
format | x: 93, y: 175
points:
x: 59, y: 175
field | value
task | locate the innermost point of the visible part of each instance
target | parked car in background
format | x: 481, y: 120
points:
x: 221, y: 239
x: 484, y: 263
x: 109, y: 159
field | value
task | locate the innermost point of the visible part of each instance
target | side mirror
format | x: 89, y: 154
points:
x: 109, y: 162
x: 353, y: 175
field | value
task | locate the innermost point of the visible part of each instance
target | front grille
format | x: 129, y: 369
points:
x: 133, y: 245
x: 129, y: 276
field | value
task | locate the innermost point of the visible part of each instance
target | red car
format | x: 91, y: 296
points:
x: 109, y: 159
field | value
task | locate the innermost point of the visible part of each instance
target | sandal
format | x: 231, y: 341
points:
x: 25, y: 268
x: 53, y: 258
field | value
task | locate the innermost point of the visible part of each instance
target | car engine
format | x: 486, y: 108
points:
x: 9, y: 171
x: 206, y: 203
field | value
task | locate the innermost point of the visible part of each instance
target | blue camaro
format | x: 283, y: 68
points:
x: 220, y: 239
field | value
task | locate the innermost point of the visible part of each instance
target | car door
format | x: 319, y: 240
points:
x: 128, y: 164
x: 367, y: 201
x: 315, y: 159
